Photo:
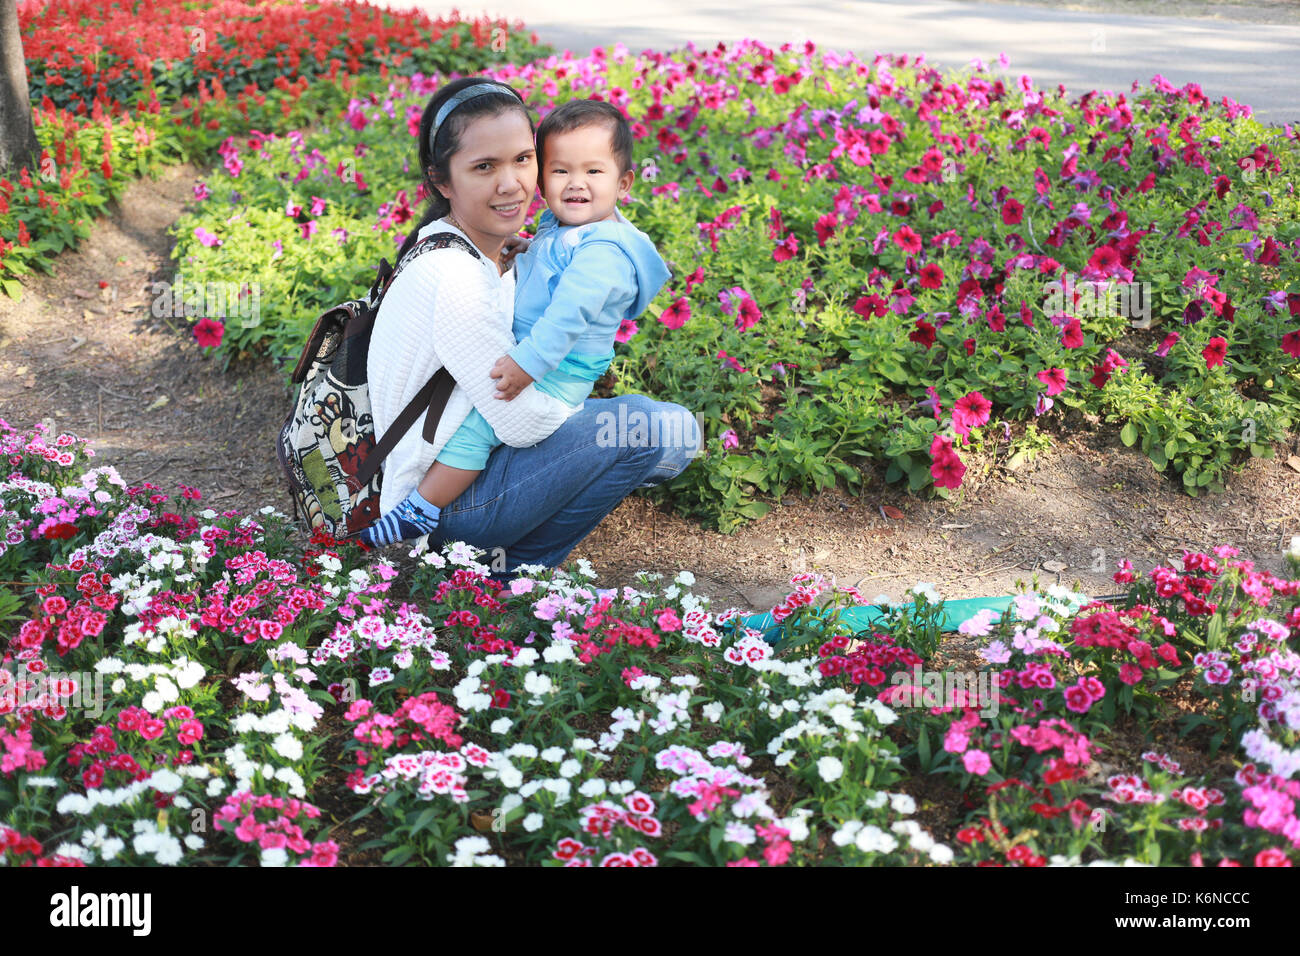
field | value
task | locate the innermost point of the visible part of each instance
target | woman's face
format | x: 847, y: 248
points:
x: 493, y: 177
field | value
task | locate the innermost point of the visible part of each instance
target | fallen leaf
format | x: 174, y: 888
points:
x: 157, y: 403
x: 83, y: 293
x: 1054, y: 566
x: 1293, y: 463
x: 77, y: 342
x: 889, y: 511
x: 224, y: 494
x: 482, y: 822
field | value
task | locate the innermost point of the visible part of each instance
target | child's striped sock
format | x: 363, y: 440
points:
x: 412, y: 518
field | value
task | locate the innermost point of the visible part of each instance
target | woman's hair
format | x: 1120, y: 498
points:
x: 435, y: 157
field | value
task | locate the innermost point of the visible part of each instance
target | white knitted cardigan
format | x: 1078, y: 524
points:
x: 446, y: 307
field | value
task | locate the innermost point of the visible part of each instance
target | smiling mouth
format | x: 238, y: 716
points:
x: 577, y: 199
x: 509, y: 207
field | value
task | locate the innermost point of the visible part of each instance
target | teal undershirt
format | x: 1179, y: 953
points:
x: 469, y: 447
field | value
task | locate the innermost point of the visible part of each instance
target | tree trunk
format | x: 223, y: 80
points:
x: 18, y: 145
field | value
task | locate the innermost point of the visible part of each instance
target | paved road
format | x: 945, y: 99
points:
x: 1258, y: 64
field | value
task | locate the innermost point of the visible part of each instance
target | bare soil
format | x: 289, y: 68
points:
x: 158, y: 408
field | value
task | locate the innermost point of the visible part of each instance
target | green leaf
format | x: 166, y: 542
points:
x: 1128, y: 434
x: 399, y: 855
x: 923, y: 748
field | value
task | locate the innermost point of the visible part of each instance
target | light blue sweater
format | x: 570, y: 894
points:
x: 574, y: 287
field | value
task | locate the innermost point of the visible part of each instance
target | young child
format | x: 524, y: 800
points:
x: 586, y: 271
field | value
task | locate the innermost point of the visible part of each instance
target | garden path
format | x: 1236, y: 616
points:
x: 1250, y: 57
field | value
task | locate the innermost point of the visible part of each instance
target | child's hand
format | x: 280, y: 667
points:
x: 514, y: 246
x: 511, y: 379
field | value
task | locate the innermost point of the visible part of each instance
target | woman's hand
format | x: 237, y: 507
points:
x: 514, y: 246
x: 510, y: 378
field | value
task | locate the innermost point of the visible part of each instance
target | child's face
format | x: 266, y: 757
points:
x: 581, y: 180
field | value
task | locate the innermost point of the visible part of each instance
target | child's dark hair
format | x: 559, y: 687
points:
x: 577, y: 114
x: 435, y: 157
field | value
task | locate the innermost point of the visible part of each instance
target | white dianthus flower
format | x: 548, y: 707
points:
x: 537, y: 684
x: 165, y: 781
x: 902, y: 803
x: 276, y: 722
x: 533, y: 822
x: 830, y: 769
x: 288, y: 746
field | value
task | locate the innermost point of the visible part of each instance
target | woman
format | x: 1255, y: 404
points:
x: 451, y: 307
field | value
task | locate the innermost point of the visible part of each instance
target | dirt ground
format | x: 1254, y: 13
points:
x: 162, y: 411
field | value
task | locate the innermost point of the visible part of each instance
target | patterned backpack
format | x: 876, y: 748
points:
x: 327, y: 445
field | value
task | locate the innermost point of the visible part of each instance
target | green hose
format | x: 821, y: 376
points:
x: 861, y: 618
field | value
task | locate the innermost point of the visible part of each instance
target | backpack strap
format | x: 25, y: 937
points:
x: 433, y: 398
x: 435, y: 393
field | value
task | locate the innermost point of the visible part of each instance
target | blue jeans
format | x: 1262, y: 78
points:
x: 537, y: 503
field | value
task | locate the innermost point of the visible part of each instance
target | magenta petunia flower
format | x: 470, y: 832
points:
x: 676, y: 315
x: 1054, y: 379
x: 970, y: 411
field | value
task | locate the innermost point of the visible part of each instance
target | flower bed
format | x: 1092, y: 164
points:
x: 184, y: 687
x: 117, y: 91
x: 864, y: 256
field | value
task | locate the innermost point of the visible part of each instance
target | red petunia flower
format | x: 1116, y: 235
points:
x: 1291, y: 344
x: 825, y: 227
x: 208, y: 332
x: 924, y: 333
x: 907, y: 240
x: 931, y: 276
x: 1215, y: 352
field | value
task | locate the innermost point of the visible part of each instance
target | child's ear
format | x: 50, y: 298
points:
x: 625, y: 184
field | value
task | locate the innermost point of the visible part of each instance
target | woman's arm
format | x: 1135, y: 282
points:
x: 470, y: 329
